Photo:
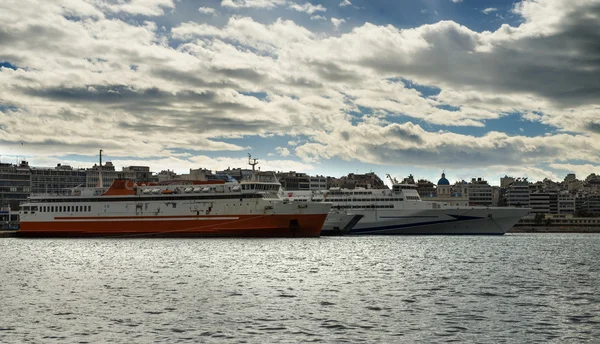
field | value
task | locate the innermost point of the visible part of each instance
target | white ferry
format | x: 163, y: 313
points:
x: 400, y: 210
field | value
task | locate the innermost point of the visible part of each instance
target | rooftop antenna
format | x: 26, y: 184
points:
x: 100, y: 184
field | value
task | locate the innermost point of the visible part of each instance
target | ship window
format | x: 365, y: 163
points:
x: 52, y: 208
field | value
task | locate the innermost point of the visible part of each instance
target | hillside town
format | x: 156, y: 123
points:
x: 550, y: 201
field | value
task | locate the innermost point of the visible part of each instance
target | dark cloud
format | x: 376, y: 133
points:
x: 129, y: 99
x: 396, y: 131
x: 217, y: 123
x: 241, y: 73
x: 116, y: 94
x: 563, y: 67
x: 332, y: 72
x: 190, y: 79
x: 303, y: 82
x: 594, y: 127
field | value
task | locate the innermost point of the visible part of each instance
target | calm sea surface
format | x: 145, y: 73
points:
x: 514, y: 288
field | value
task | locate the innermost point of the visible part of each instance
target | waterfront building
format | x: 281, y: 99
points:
x: 165, y: 175
x: 517, y: 194
x: 15, y: 184
x: 368, y: 181
x: 539, y: 202
x: 425, y: 188
x: 57, y: 180
x: 293, y: 181
x: 239, y: 174
x: 108, y: 175
x: 318, y: 183
x: 142, y: 174
x: 496, y: 195
x: 588, y: 205
x: 506, y: 181
x: 565, y: 203
x: 480, y: 192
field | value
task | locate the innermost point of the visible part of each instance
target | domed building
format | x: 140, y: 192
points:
x: 443, y: 186
x: 443, y: 180
x: 444, y: 193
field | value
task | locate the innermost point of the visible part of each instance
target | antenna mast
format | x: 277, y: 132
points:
x: 100, y: 184
x: 252, y: 162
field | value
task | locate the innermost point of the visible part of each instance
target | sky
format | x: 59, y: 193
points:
x: 471, y: 87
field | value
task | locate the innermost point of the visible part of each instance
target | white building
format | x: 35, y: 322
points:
x: 566, y: 204
x: 480, y: 193
x: 517, y: 194
x: 318, y: 183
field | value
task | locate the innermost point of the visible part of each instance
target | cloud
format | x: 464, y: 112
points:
x: 457, y: 1
x: 489, y: 10
x: 345, y: 3
x: 337, y: 22
x: 268, y: 4
x: 307, y: 8
x: 581, y: 170
x: 317, y: 17
x: 208, y: 10
x: 376, y: 93
x: 282, y: 151
x: 138, y: 7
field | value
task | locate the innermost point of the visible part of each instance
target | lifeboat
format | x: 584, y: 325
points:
x: 166, y: 192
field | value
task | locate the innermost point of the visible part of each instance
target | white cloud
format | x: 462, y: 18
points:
x: 134, y: 83
x: 457, y: 1
x: 489, y: 10
x: 282, y: 151
x: 268, y: 4
x: 345, y: 3
x: 581, y: 170
x: 337, y: 22
x: 208, y: 10
x: 137, y: 7
x: 317, y: 17
x: 307, y: 8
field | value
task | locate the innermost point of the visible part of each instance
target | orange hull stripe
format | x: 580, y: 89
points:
x: 246, y: 226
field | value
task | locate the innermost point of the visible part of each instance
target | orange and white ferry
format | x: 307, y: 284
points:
x: 199, y: 208
x: 223, y: 209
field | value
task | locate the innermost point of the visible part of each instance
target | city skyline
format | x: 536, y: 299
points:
x: 472, y: 88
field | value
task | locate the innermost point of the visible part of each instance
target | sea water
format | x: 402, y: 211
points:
x: 387, y: 289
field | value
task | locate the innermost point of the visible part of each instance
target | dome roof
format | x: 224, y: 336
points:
x: 443, y: 180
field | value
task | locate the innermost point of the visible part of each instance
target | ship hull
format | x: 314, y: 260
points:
x: 280, y: 225
x: 339, y: 223
x: 472, y: 221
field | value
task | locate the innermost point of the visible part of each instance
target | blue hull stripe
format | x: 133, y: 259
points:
x: 408, y: 217
x: 457, y: 218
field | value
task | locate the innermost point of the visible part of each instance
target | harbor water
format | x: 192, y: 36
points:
x: 513, y: 288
